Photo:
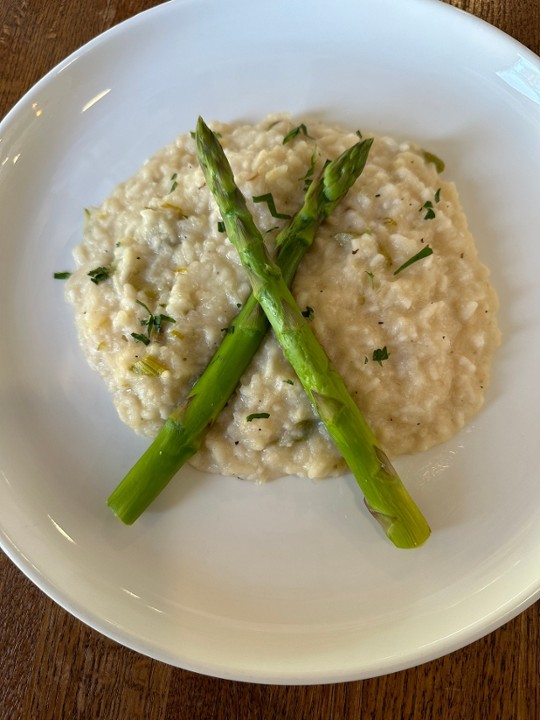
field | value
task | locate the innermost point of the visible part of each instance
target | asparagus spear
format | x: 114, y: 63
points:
x: 183, y: 432
x: 385, y: 495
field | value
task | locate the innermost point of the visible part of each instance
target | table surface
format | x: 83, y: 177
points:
x: 53, y: 666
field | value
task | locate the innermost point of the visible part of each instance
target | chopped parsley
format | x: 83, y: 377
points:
x: 380, y: 354
x: 371, y: 276
x: 424, y: 252
x: 221, y: 226
x: 258, y: 416
x: 174, y: 184
x: 100, y: 274
x: 269, y: 200
x: 61, y: 275
x: 299, y: 129
x: 309, y: 312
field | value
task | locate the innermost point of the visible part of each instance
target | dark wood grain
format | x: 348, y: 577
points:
x: 54, y: 667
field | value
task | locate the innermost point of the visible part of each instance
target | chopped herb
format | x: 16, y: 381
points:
x: 99, y: 274
x: 308, y: 312
x: 366, y: 359
x: 296, y: 131
x: 371, y: 276
x: 269, y: 200
x: 430, y: 212
x: 257, y: 416
x: 152, y: 323
x: 174, y: 184
x: 141, y: 338
x: 359, y: 134
x: 437, y: 195
x: 380, y: 354
x: 424, y: 252
x: 289, y: 382
x: 221, y: 226
x: 431, y: 158
x: 61, y: 275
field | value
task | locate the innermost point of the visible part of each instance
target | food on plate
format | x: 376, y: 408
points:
x: 392, y: 287
x: 385, y: 496
x: 184, y: 430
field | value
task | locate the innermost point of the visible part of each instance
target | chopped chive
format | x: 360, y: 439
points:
x: 61, y: 275
x: 257, y: 416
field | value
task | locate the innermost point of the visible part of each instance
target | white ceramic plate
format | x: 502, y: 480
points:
x: 290, y: 582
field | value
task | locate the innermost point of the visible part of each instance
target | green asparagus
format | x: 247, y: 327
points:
x: 183, y: 432
x: 386, y: 497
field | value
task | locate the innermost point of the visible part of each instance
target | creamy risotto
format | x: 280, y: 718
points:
x: 157, y: 282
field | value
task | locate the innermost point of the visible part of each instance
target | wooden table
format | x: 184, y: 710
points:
x: 52, y: 666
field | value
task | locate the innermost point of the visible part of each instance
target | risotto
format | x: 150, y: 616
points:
x: 157, y: 283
